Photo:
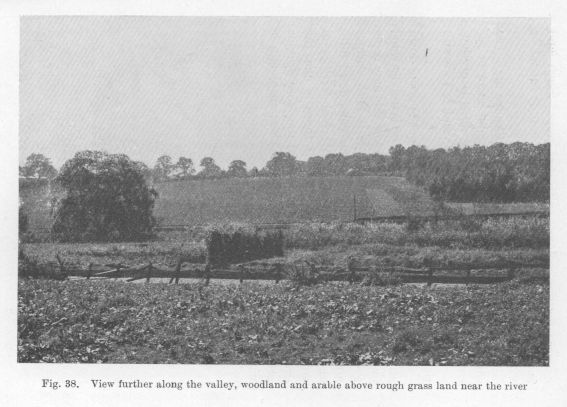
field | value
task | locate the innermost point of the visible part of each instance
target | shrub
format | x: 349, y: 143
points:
x: 107, y: 199
x: 241, y: 246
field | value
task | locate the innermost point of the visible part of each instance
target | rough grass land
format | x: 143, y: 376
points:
x: 325, y: 323
x: 332, y: 323
x: 482, y: 244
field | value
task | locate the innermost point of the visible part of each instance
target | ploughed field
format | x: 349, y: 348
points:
x: 300, y: 321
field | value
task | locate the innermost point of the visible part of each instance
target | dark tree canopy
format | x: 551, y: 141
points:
x: 237, y: 169
x: 184, y: 168
x: 163, y: 168
x: 107, y: 199
x: 517, y: 172
x: 210, y: 168
x: 282, y: 165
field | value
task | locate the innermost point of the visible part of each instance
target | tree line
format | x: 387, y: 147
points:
x: 282, y: 164
x: 517, y: 172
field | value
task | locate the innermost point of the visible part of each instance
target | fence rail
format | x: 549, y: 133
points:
x: 452, y: 274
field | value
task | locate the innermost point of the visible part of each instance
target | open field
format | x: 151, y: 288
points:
x: 295, y: 322
x: 332, y: 323
x: 261, y: 200
x: 276, y: 200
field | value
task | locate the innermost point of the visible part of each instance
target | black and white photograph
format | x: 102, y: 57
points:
x: 321, y: 191
x: 303, y: 191
x: 270, y: 205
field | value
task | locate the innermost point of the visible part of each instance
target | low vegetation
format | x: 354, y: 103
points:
x: 331, y: 323
x: 451, y: 243
x: 530, y: 232
x: 301, y: 320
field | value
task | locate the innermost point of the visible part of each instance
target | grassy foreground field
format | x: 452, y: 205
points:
x: 332, y: 323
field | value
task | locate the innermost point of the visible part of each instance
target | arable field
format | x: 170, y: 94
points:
x: 283, y: 200
x: 293, y: 323
x: 331, y: 323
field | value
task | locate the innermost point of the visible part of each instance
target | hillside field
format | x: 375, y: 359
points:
x: 262, y: 200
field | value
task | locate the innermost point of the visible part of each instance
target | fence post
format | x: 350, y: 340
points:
x: 89, y: 272
x: 468, y: 277
x: 241, y: 272
x: 61, y: 267
x: 149, y: 272
x: 429, y: 277
x: 278, y: 272
x: 207, y: 273
x: 350, y: 269
x: 511, y: 274
x: 177, y: 272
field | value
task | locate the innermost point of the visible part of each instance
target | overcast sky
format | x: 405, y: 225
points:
x: 243, y: 88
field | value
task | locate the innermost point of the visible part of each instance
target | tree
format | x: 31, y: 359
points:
x: 316, y: 166
x: 397, y: 154
x: 107, y: 199
x: 335, y: 164
x: 210, y: 168
x: 282, y: 165
x: 38, y: 166
x: 517, y: 172
x: 163, y: 168
x: 145, y: 170
x: 184, y: 167
x: 237, y: 169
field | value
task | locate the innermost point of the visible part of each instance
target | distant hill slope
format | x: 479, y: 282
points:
x: 265, y: 200
x: 268, y: 200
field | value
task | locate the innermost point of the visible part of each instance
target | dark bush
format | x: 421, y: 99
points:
x: 107, y: 199
x: 239, y: 247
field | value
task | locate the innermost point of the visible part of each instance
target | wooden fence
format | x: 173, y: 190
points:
x: 458, y: 274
